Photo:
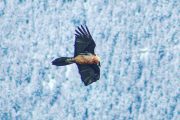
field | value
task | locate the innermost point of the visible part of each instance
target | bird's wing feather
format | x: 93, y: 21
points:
x: 83, y: 41
x: 89, y: 73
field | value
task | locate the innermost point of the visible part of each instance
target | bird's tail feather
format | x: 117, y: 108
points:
x: 62, y: 61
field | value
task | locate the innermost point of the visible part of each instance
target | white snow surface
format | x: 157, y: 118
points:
x: 139, y: 45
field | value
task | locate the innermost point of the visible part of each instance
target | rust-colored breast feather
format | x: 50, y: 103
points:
x: 87, y: 59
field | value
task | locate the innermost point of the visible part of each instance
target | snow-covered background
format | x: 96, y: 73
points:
x: 139, y: 45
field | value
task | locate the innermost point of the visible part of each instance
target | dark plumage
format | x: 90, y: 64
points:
x: 84, y: 46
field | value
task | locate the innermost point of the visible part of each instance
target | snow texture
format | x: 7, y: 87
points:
x: 139, y: 45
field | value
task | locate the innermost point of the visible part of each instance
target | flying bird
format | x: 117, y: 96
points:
x: 87, y: 61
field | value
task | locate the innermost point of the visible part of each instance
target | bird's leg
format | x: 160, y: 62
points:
x: 70, y: 60
x: 80, y: 59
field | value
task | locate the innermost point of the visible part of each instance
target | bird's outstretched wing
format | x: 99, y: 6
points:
x: 89, y: 73
x: 84, y: 42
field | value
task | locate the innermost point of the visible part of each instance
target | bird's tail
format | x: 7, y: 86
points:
x: 62, y: 61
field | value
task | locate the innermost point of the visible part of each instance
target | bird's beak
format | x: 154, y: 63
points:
x: 99, y: 64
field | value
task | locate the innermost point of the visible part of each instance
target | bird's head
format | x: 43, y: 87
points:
x: 97, y: 59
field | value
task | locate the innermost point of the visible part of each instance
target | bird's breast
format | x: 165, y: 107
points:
x: 86, y: 59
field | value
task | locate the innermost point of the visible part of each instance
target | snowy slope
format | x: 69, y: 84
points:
x: 137, y: 40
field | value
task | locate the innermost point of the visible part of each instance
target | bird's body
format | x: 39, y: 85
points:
x: 84, y: 56
x: 87, y: 59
